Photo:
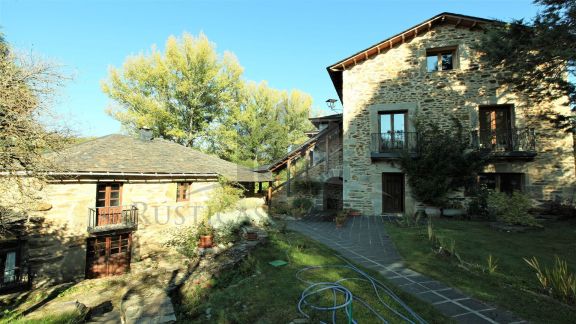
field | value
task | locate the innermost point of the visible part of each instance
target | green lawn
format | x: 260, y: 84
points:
x: 514, y: 286
x: 256, y: 292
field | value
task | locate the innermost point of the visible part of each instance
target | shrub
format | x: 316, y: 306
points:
x: 564, y: 210
x: 300, y: 206
x: 185, y: 240
x: 280, y: 208
x: 511, y: 210
x: 223, y: 198
x: 558, y: 282
x: 478, y: 206
x: 307, y: 187
x: 228, y: 232
x: 444, y: 162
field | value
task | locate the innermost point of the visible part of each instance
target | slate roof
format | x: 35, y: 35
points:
x: 125, y: 154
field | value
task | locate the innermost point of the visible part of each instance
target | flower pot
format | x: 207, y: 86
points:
x: 432, y: 211
x: 205, y: 241
x: 354, y: 213
x: 453, y: 212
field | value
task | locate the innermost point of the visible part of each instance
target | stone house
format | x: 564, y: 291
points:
x: 433, y: 71
x: 112, y: 201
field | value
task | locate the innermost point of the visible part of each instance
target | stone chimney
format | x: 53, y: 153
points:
x: 145, y: 133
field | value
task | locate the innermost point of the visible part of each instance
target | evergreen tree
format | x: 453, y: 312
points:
x: 540, y: 53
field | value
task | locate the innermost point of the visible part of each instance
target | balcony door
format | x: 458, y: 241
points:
x: 392, y: 131
x: 392, y: 192
x: 109, y: 203
x: 108, y: 255
x: 496, y: 128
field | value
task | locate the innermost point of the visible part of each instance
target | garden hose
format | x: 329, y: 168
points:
x: 337, y: 289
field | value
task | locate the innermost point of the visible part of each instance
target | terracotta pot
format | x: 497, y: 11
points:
x: 354, y: 213
x: 251, y: 236
x: 205, y: 241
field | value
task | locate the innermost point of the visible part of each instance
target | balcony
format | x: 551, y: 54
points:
x: 102, y: 219
x: 16, y: 279
x: 516, y: 143
x: 391, y: 145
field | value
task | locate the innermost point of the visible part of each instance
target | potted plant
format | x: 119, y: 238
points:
x: 353, y: 212
x: 340, y: 218
x: 205, y: 234
x: 453, y: 208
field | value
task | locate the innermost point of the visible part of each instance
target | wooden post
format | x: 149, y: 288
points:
x: 327, y: 145
x: 269, y: 195
x: 288, y: 167
x: 260, y: 187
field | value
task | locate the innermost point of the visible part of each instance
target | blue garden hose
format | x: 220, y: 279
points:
x: 347, y: 305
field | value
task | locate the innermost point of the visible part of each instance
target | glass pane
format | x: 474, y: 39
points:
x: 385, y: 123
x: 115, y: 194
x: 432, y: 63
x: 101, y: 195
x: 114, y: 202
x: 115, y: 186
x: 399, y: 123
x: 10, y: 267
x: 447, y: 62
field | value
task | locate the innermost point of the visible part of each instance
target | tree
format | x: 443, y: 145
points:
x: 264, y: 126
x: 444, y: 162
x: 180, y: 93
x: 27, y: 87
x: 540, y: 53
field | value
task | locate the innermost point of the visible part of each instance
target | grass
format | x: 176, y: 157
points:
x: 66, y: 318
x: 512, y: 284
x: 256, y: 292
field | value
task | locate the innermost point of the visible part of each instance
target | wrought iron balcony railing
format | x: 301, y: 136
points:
x: 112, y: 218
x: 15, y: 279
x: 502, y: 141
x: 394, y: 142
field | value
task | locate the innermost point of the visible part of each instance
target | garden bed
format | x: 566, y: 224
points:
x: 474, y: 242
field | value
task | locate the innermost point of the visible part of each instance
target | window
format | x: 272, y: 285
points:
x: 9, y: 263
x: 183, y: 191
x: 392, y: 131
x: 496, y: 127
x: 441, y: 59
x: 502, y: 182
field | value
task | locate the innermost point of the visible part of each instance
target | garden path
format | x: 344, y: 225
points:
x: 364, y: 241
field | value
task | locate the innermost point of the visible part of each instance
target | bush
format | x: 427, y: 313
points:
x: 511, y: 210
x: 228, y: 232
x: 563, y: 210
x: 307, y: 187
x: 280, y: 208
x: 444, y: 163
x: 478, y: 206
x: 300, y: 206
x: 222, y: 199
x: 185, y: 240
x: 558, y: 282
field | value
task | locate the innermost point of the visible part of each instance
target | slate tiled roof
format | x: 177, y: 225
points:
x: 120, y: 153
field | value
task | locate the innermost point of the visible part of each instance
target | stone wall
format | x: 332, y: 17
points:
x: 57, y: 234
x: 398, y: 80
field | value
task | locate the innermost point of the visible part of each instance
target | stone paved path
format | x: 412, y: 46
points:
x: 364, y: 241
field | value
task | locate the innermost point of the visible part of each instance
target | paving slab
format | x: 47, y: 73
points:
x: 364, y: 240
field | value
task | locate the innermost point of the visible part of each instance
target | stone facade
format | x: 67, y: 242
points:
x: 398, y: 80
x: 57, y: 235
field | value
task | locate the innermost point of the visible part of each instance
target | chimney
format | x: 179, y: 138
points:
x: 145, y: 133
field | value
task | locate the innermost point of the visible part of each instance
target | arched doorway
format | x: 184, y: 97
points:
x: 333, y: 194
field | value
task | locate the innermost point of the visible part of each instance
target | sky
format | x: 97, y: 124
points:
x: 289, y: 44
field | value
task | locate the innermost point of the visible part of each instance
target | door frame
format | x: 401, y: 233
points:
x: 89, y: 273
x: 402, y: 191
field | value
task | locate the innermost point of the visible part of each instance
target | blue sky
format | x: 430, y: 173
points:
x: 287, y: 43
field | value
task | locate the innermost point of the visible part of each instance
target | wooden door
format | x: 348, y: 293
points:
x: 392, y: 192
x: 109, y: 203
x: 496, y: 128
x: 108, y: 255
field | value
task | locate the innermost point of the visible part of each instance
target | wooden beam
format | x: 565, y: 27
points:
x: 289, y: 166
